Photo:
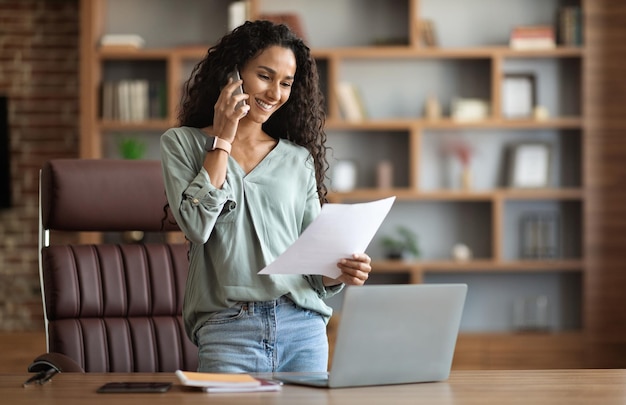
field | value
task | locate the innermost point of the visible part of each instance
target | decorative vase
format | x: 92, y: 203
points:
x: 466, y: 178
x: 344, y: 176
x: 384, y: 174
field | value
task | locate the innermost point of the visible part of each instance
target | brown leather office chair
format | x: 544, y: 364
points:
x: 115, y: 306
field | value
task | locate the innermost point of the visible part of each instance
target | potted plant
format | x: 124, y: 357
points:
x: 131, y: 148
x: 401, y: 246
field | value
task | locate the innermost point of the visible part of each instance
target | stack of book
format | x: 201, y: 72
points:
x: 221, y: 382
x: 540, y: 233
x: 122, y: 41
x: 532, y: 37
x: 133, y: 100
x: 570, y: 26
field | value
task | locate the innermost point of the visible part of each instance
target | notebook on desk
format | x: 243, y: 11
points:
x: 393, y: 334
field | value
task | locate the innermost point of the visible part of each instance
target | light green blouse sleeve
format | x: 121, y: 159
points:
x: 194, y: 201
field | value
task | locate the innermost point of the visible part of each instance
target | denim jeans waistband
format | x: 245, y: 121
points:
x: 261, y: 305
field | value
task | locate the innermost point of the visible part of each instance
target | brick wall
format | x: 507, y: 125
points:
x: 39, y: 73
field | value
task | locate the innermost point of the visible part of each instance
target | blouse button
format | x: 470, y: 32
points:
x: 196, y: 201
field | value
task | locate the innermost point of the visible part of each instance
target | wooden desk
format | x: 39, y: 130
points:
x: 604, y: 387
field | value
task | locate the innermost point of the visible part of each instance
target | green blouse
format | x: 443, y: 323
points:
x: 237, y: 230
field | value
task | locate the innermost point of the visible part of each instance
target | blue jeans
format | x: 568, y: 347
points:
x: 272, y: 336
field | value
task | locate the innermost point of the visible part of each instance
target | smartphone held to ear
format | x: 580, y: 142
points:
x: 235, y: 76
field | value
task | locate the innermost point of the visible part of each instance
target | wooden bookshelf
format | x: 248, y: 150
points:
x: 412, y: 137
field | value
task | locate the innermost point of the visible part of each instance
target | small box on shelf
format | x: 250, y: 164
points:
x: 469, y: 109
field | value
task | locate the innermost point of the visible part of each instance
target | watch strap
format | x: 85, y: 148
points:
x: 214, y: 142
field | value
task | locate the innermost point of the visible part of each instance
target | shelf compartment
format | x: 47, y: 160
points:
x: 545, y: 229
x: 460, y: 23
x: 150, y: 139
x: 449, y: 79
x: 167, y: 24
x: 557, y: 82
x: 490, y: 162
x: 493, y: 296
x: 439, y: 226
x: 134, y: 91
x: 351, y: 22
x: 378, y: 147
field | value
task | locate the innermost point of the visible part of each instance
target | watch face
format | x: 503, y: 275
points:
x: 210, y: 144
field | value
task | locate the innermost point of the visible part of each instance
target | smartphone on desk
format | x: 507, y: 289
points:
x: 235, y: 76
x: 134, y: 386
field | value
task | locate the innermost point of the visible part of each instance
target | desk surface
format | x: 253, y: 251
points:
x: 464, y: 387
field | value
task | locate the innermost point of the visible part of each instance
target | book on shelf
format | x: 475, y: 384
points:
x: 570, y: 26
x: 133, y: 100
x: 540, y: 235
x: 532, y: 37
x: 427, y: 33
x: 350, y: 102
x: 126, y: 41
x: 224, y: 382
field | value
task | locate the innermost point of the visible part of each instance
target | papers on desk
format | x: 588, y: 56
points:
x: 339, y: 231
x: 223, y: 382
x: 265, y: 385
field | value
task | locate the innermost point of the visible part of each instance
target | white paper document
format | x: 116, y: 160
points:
x: 338, y: 231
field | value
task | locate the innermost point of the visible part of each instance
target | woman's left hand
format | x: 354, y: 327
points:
x: 355, y: 270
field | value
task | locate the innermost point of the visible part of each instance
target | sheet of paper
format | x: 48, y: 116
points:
x: 338, y: 231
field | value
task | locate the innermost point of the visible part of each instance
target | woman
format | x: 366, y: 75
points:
x: 243, y: 182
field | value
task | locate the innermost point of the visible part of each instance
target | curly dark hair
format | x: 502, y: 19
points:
x: 301, y: 119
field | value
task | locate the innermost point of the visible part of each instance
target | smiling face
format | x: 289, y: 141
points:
x: 267, y: 79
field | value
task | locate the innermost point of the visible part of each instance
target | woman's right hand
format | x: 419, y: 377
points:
x: 227, y: 116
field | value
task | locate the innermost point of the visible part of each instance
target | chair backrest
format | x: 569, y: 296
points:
x: 116, y: 306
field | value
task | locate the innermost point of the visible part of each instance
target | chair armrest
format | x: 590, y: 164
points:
x: 57, y: 361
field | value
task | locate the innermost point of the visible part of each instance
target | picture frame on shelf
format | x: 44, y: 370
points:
x: 519, y: 95
x: 529, y: 165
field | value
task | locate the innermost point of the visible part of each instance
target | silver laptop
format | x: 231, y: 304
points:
x: 392, y: 334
